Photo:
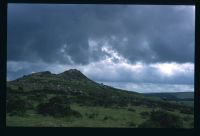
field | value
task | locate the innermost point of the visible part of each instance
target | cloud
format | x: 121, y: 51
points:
x: 108, y: 43
x: 109, y: 71
x: 150, y: 87
x: 138, y: 33
x: 139, y: 72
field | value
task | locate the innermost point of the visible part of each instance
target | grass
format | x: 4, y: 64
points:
x: 91, y: 117
x: 116, y: 117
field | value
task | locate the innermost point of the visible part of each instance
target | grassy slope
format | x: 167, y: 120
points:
x: 92, y: 117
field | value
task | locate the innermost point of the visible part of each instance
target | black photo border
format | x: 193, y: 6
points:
x: 96, y: 131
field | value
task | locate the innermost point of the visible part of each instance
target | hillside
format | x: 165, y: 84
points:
x: 186, y: 98
x: 79, y: 101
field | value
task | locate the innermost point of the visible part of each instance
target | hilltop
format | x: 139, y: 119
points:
x: 69, y: 80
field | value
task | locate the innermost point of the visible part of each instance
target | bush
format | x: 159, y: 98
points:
x: 56, y: 110
x: 144, y: 114
x: 56, y: 107
x: 91, y: 115
x: 39, y: 97
x: 187, y: 118
x: 131, y: 109
x: 76, y: 114
x: 162, y: 119
x: 192, y: 123
x: 187, y: 111
x: 16, y: 105
x: 131, y: 124
x: 169, y: 109
x: 107, y: 117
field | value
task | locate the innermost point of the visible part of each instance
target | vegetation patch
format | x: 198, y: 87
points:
x: 162, y: 119
x: 131, y: 109
x: 108, y: 118
x: 16, y: 105
x: 145, y: 114
x: 56, y: 107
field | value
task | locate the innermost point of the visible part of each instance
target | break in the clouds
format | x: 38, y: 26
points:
x: 108, y: 43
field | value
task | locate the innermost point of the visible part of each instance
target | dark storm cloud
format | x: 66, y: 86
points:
x: 140, y: 33
x: 107, y: 43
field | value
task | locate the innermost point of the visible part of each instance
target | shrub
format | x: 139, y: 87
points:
x: 144, y: 114
x: 107, y: 117
x: 192, y: 123
x: 91, y: 115
x: 39, y: 97
x: 131, y: 109
x: 20, y: 88
x: 187, y: 118
x: 162, y: 119
x: 17, y: 105
x: 56, y: 110
x: 131, y: 124
x: 169, y: 109
x: 187, y: 111
x: 56, y: 107
x: 76, y: 114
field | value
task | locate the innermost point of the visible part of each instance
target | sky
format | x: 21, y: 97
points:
x: 107, y: 43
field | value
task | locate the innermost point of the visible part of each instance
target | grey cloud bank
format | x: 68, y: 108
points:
x: 106, y: 71
x: 152, y: 33
x: 106, y: 42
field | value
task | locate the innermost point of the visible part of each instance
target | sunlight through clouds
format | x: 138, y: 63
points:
x: 107, y: 43
x: 169, y: 69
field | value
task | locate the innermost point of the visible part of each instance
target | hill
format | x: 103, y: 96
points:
x: 186, y: 98
x: 61, y: 99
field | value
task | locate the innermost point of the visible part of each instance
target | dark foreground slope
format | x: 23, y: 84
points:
x: 71, y: 99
